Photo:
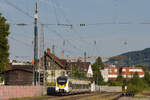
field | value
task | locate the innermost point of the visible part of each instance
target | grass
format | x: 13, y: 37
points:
x: 99, y: 97
x: 141, y: 94
x: 27, y: 98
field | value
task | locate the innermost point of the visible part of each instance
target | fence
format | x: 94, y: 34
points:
x: 7, y: 92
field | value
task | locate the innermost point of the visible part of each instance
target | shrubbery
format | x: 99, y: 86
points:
x: 136, y: 84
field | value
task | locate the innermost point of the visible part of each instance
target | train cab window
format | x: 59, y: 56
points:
x: 62, y: 80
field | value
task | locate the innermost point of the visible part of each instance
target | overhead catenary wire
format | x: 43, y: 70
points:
x: 14, y: 6
x: 68, y: 21
x: 120, y: 23
x: 24, y: 30
x: 59, y: 35
x: 56, y: 5
x: 27, y: 14
x: 19, y: 41
x: 86, y: 24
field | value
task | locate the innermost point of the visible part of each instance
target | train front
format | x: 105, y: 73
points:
x: 62, y: 84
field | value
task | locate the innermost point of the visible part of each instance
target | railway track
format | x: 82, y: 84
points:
x: 89, y: 96
x: 78, y: 96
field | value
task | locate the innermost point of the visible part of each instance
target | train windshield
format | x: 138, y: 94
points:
x: 62, y: 80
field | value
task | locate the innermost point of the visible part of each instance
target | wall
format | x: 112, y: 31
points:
x: 58, y: 73
x: 18, y: 77
x: 104, y: 74
x: 7, y: 92
x: 110, y: 88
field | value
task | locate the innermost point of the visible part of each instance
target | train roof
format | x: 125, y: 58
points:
x: 63, y: 77
x: 73, y: 78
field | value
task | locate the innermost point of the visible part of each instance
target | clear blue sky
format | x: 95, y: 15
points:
x: 109, y: 36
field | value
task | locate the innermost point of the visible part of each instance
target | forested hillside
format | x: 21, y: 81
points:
x: 131, y: 58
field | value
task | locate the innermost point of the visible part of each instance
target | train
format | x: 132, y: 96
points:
x: 67, y: 85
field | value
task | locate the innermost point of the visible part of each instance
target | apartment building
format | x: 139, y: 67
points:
x: 111, y: 73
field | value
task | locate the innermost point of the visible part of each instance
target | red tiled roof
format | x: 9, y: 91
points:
x: 58, y: 61
x: 82, y: 66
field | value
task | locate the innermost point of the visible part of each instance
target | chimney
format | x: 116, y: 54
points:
x: 84, y: 56
x: 48, y: 50
x: 62, y: 55
x: 53, y: 49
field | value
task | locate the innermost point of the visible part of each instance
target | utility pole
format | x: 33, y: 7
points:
x: 41, y: 59
x: 35, y: 45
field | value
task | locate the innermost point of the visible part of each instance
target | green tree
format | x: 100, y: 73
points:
x: 4, y: 47
x: 136, y: 84
x: 119, y: 78
x: 146, y: 74
x: 135, y: 78
x: 147, y: 77
x: 96, y: 67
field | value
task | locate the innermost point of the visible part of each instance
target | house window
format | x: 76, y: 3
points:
x: 63, y: 73
x: 49, y: 64
x: 85, y: 70
x: 123, y: 70
x: 110, y: 70
x: 52, y: 73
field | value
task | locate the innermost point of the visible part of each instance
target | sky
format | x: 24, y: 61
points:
x: 110, y: 23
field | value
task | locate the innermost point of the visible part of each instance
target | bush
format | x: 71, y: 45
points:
x: 133, y: 88
x: 136, y: 84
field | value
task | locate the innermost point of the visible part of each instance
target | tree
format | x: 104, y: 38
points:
x: 119, y: 78
x: 147, y: 77
x: 136, y: 84
x: 4, y: 47
x: 135, y: 78
x: 96, y: 67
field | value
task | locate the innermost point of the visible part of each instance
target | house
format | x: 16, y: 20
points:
x: 128, y: 72
x: 54, y: 67
x: 111, y: 73
x: 84, y: 67
x: 90, y: 71
x: 18, y: 75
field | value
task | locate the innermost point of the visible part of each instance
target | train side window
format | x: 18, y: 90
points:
x: 70, y: 84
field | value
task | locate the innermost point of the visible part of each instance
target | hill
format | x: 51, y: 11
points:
x: 141, y: 57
